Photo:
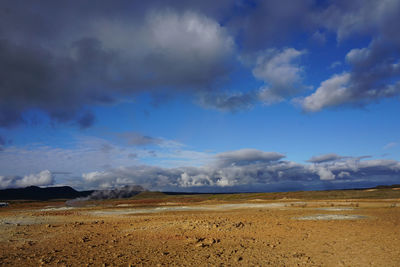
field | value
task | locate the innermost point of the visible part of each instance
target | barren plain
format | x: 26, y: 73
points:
x: 337, y: 228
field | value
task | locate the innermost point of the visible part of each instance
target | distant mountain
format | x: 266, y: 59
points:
x: 387, y: 186
x: 37, y: 193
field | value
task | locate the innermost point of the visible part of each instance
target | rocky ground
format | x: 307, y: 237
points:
x: 251, y: 233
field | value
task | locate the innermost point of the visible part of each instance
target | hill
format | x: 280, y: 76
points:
x: 38, y: 193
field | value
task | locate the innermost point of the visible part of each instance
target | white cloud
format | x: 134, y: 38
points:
x: 390, y: 145
x: 281, y: 73
x: 374, y: 70
x: 43, y: 178
x: 331, y: 92
x: 344, y: 174
x: 324, y: 173
x: 335, y: 64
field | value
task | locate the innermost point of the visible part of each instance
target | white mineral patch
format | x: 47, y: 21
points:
x: 335, y: 209
x: 330, y: 217
x: 57, y: 208
x: 190, y: 208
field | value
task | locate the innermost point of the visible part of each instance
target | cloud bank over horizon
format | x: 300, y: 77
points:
x: 240, y: 170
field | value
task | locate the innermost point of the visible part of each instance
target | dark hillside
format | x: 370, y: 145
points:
x: 37, y: 193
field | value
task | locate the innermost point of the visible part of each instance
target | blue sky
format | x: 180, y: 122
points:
x: 190, y: 96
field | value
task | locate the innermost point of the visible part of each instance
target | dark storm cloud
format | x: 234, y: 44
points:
x: 33, y: 77
x: 61, y: 58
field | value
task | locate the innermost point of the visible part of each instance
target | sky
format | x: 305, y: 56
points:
x: 200, y: 96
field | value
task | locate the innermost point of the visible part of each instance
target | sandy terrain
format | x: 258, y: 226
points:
x: 247, y: 233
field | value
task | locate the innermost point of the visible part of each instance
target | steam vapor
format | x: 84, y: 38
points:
x: 122, y: 192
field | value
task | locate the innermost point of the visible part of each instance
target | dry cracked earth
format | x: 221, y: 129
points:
x: 206, y: 233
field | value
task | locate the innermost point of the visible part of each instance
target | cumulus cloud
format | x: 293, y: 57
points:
x: 374, y: 70
x: 332, y: 166
x: 367, y: 82
x: 331, y: 92
x: 43, y: 178
x: 281, y: 73
x: 323, y: 173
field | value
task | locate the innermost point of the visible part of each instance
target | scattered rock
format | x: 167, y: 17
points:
x: 85, y: 239
x: 239, y: 225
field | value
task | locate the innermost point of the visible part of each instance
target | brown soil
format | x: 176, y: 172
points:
x: 33, y: 235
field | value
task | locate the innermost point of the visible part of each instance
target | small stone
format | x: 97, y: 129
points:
x: 239, y: 225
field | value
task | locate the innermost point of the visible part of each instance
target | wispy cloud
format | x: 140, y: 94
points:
x: 87, y: 153
x: 390, y: 145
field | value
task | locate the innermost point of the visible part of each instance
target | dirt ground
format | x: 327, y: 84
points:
x: 207, y: 233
